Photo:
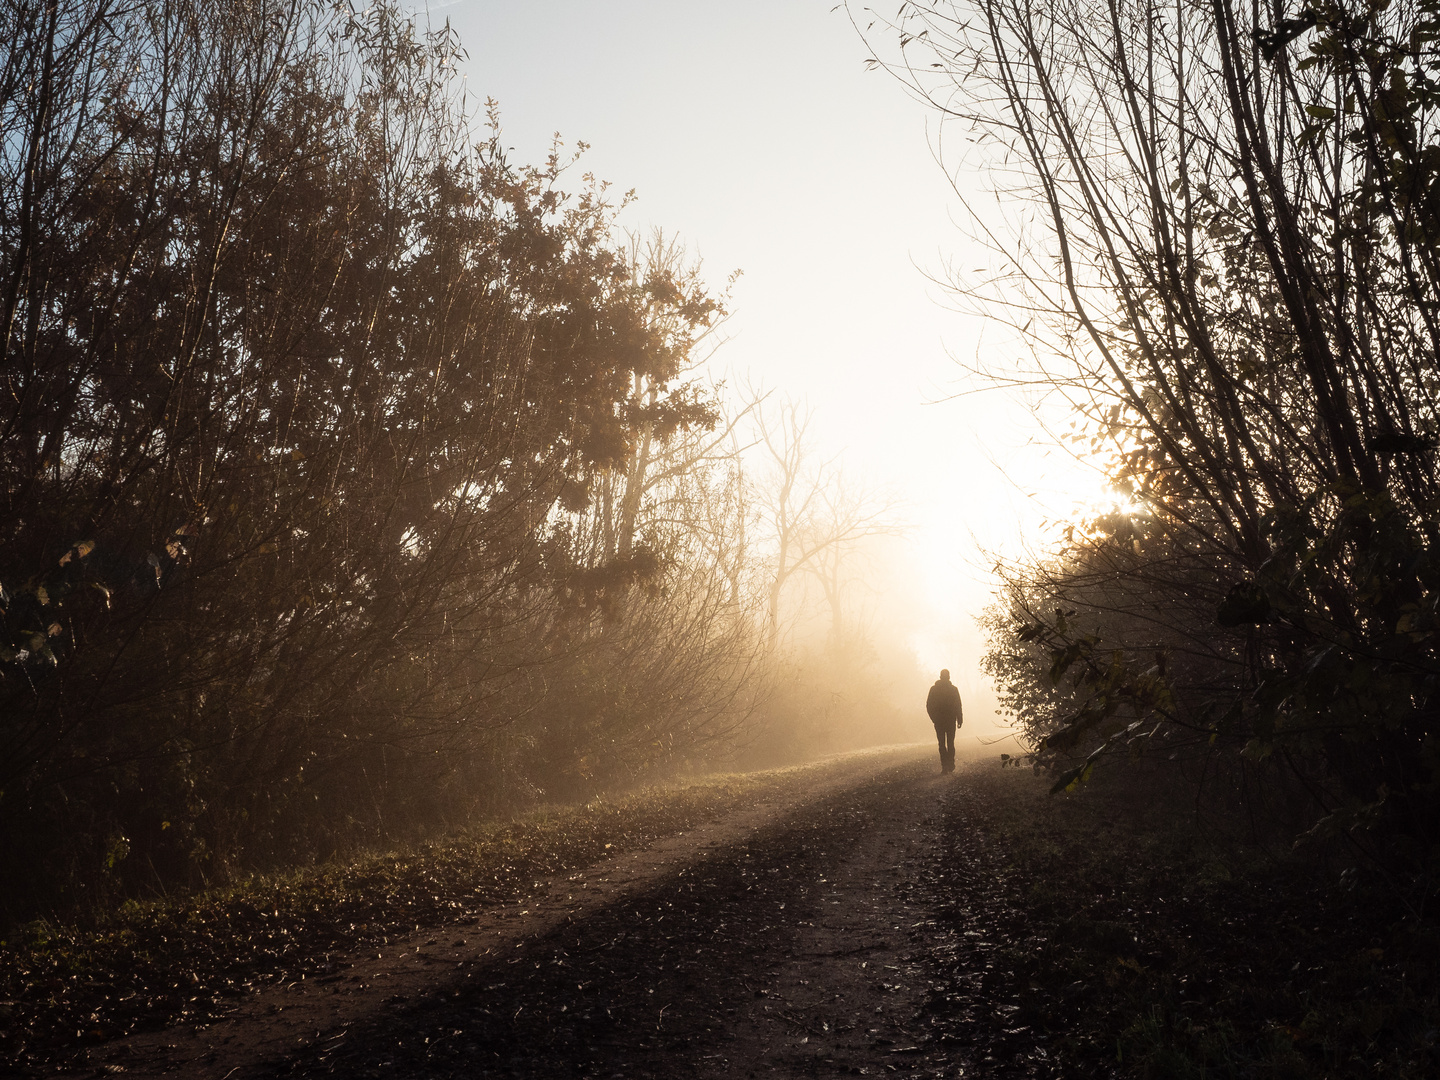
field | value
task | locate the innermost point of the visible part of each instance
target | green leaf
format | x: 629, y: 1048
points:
x: 1072, y: 779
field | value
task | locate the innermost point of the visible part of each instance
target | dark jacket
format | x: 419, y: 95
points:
x: 943, y: 702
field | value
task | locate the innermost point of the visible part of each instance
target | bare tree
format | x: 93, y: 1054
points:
x: 809, y: 514
x: 840, y: 568
x: 1219, y: 227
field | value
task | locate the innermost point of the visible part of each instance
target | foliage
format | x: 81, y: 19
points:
x: 308, y: 392
x: 1230, y: 276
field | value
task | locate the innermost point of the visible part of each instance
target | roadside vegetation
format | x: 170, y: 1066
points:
x: 1217, y: 244
x: 1216, y: 250
x: 356, y: 481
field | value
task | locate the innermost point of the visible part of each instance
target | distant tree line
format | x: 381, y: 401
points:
x: 1219, y: 233
x: 354, y: 477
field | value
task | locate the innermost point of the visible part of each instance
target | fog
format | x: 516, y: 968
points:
x: 465, y: 481
x: 785, y: 157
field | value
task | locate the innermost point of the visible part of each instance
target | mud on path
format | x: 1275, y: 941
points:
x: 794, y: 938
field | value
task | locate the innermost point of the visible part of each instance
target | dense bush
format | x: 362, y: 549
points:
x: 314, y: 407
x: 1222, y: 241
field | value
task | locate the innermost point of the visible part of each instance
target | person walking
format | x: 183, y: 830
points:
x: 943, y: 705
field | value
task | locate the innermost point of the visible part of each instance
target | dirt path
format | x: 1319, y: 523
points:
x: 787, y: 939
x: 860, y: 917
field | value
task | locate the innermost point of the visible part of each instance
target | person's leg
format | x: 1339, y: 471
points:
x: 950, y: 747
x: 940, y: 738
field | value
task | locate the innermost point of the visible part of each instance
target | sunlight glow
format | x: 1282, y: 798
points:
x: 843, y: 317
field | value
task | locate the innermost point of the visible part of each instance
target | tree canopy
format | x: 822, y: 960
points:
x: 313, y: 402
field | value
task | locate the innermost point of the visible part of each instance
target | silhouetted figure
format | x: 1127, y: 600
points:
x: 943, y: 705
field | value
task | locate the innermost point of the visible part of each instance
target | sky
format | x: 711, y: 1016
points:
x: 754, y: 131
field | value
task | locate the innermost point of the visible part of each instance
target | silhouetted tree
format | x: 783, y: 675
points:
x: 1220, y: 233
x: 302, y: 383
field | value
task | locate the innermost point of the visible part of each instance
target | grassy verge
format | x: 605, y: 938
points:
x: 1121, y: 937
x: 65, y: 987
